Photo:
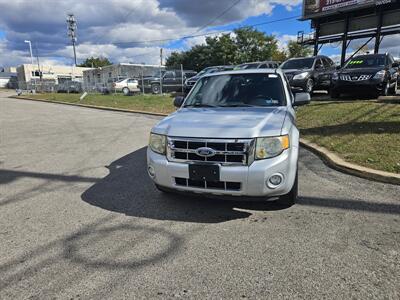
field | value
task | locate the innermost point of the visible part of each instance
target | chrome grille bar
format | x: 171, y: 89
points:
x: 226, y: 151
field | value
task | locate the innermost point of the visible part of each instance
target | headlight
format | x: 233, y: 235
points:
x: 271, y: 146
x: 335, y: 76
x: 157, y: 143
x: 380, y: 75
x: 300, y: 76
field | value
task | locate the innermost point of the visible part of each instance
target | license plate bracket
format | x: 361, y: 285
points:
x: 204, y: 172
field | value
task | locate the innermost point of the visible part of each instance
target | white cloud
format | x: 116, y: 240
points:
x: 114, y: 28
x: 149, y: 55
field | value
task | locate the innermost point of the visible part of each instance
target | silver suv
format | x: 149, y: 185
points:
x: 233, y: 135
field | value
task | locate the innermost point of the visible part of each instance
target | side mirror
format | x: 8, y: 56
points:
x: 301, y: 99
x: 395, y: 65
x: 178, y: 101
x: 296, y: 90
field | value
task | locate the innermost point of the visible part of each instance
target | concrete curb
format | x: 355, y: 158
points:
x: 328, y: 157
x: 339, y: 164
x: 93, y: 106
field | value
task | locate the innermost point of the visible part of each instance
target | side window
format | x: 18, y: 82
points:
x: 326, y: 63
x: 169, y: 74
x: 263, y: 66
x: 319, y: 64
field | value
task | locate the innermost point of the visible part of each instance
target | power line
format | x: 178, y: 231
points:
x: 206, y: 34
x: 219, y: 16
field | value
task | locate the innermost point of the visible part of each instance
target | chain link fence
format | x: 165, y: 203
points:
x: 125, y: 79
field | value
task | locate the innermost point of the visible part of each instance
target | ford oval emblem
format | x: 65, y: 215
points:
x: 205, y: 152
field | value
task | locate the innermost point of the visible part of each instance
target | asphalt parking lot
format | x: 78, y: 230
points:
x: 79, y: 218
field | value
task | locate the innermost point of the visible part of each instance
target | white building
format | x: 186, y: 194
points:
x: 8, y: 78
x: 52, y: 75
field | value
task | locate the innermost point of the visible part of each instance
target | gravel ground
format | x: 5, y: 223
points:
x: 79, y: 219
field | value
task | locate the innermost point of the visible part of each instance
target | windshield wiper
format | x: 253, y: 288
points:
x: 199, y: 105
x: 237, y: 105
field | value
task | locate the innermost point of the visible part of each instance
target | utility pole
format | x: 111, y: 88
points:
x: 33, y: 72
x: 72, y: 28
x: 38, y: 63
x: 161, y: 62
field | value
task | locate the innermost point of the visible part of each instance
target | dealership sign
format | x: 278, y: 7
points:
x: 322, y: 7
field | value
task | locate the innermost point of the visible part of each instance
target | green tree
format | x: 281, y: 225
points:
x: 95, y: 62
x: 296, y: 50
x: 244, y: 45
x: 254, y: 45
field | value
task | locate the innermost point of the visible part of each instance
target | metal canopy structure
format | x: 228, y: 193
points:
x: 374, y: 21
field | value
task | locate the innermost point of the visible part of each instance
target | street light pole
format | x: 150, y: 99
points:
x: 30, y: 50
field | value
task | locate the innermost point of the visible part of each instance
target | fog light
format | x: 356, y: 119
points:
x: 275, y: 180
x: 151, y: 171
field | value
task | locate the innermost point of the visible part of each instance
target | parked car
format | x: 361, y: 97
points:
x: 126, y: 86
x: 374, y: 73
x: 309, y: 73
x: 234, y: 135
x: 171, y: 81
x: 69, y: 87
x: 259, y: 65
x: 190, y: 82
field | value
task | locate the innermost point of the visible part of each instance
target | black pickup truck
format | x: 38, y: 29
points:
x: 171, y: 81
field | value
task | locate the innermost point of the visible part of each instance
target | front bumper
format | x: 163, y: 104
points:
x: 370, y: 85
x: 299, y: 83
x: 252, y: 178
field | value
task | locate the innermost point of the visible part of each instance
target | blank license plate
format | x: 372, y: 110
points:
x: 204, y: 172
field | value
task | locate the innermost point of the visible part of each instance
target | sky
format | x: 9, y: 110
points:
x: 132, y: 30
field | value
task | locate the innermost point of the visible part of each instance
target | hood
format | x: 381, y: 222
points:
x: 361, y: 71
x: 245, y: 122
x: 295, y: 71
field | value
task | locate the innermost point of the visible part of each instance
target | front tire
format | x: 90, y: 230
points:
x: 385, y: 90
x: 155, y: 89
x: 393, y: 90
x: 126, y: 91
x: 290, y: 198
x: 309, y: 86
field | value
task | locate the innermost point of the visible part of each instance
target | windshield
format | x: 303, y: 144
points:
x: 366, y: 62
x: 304, y: 63
x: 237, y: 90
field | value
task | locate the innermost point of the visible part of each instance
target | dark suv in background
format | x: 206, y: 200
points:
x: 372, y: 73
x: 309, y: 73
x: 190, y: 82
x: 171, y: 81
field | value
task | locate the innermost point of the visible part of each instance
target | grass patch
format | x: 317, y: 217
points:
x: 363, y: 132
x: 151, y: 103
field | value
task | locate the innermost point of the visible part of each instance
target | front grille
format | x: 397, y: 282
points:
x: 355, y: 77
x: 213, y: 185
x: 225, y: 151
